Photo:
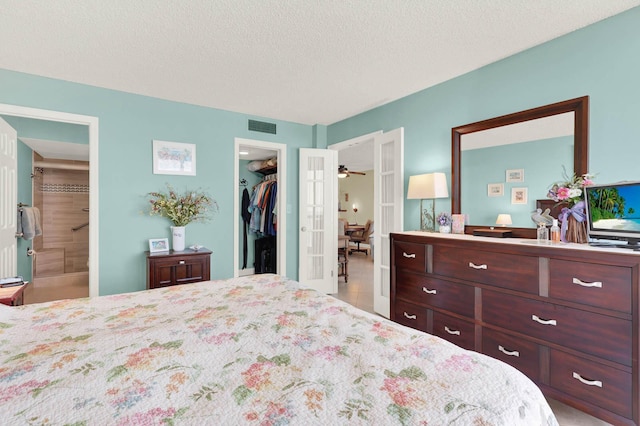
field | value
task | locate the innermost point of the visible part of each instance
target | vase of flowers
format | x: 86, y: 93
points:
x: 181, y: 210
x: 444, y: 222
x: 573, y: 217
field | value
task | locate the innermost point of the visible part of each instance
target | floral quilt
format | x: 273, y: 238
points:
x: 259, y: 350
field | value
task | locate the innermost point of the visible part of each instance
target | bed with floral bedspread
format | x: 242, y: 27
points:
x: 257, y: 350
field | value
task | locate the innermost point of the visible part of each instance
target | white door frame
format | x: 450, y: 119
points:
x: 281, y: 236
x: 92, y: 123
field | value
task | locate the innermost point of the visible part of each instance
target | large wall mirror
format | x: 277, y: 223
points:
x: 504, y: 164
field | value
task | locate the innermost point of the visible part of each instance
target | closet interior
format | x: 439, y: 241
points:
x: 259, y: 214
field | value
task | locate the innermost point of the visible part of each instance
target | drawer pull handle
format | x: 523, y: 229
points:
x: 586, y: 284
x: 450, y: 331
x: 543, y: 321
x: 597, y: 383
x: 409, y: 256
x: 426, y: 290
x: 406, y: 315
x: 474, y: 266
x: 506, y: 352
x: 182, y: 262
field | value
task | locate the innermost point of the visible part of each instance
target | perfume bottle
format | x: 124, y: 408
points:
x: 543, y: 234
x: 555, y: 232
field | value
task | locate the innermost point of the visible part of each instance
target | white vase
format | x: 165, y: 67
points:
x: 445, y: 229
x: 177, y: 233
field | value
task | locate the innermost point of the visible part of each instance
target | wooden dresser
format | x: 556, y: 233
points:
x: 565, y: 315
x: 178, y: 267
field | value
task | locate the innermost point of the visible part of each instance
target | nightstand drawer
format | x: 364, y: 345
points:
x: 455, y: 330
x: 173, y: 268
x: 519, y: 353
x: 428, y: 291
x: 604, y: 286
x: 411, y: 315
x: 410, y: 256
x: 500, y: 269
x: 592, y: 382
x: 600, y: 335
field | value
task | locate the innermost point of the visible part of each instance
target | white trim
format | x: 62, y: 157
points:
x: 92, y: 123
x: 355, y: 141
x: 281, y: 238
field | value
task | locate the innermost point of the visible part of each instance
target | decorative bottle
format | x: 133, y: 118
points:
x: 543, y: 234
x: 555, y: 232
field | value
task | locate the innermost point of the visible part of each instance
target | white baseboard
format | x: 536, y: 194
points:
x: 248, y: 271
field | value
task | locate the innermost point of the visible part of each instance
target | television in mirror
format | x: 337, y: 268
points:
x: 613, y: 213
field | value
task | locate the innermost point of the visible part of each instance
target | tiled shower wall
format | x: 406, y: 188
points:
x: 61, y: 195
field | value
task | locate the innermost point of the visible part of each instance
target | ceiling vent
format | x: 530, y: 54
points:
x: 261, y: 126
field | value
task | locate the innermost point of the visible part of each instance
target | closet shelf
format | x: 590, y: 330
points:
x: 268, y: 170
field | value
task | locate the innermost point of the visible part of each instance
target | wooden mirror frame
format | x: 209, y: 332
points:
x: 580, y: 107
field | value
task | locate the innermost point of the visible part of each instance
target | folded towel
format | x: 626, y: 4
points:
x: 29, y: 222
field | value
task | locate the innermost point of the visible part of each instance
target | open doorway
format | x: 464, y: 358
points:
x: 356, y: 209
x: 260, y: 169
x: 83, y: 259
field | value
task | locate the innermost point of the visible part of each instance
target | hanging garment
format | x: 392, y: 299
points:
x: 246, y: 218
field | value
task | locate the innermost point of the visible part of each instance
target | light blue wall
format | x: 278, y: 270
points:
x: 128, y: 125
x: 489, y: 165
x: 601, y: 61
x: 49, y: 130
x: 25, y: 195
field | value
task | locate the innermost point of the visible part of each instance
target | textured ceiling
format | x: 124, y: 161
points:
x: 312, y: 62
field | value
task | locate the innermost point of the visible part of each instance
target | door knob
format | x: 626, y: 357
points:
x: 303, y: 229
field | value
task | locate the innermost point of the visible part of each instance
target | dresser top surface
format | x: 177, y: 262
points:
x: 520, y: 241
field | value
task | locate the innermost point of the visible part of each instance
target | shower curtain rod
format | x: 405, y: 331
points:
x: 54, y: 165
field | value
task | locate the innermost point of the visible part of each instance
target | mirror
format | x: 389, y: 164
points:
x: 486, y: 168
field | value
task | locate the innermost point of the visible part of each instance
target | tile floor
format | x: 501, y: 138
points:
x: 66, y: 286
x: 359, y: 293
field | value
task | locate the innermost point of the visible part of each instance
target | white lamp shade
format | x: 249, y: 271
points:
x: 427, y: 186
x: 504, y: 219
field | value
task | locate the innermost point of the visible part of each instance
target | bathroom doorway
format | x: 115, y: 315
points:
x: 57, y: 182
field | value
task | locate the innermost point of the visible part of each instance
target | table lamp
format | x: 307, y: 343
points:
x: 428, y: 186
x: 503, y: 220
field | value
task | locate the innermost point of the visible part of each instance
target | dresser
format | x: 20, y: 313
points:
x: 178, y: 267
x: 566, y: 315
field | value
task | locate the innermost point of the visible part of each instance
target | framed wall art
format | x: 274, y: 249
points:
x: 515, y: 175
x: 519, y: 195
x: 174, y: 158
x: 495, y: 190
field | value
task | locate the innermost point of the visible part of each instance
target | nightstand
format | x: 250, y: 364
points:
x: 178, y: 267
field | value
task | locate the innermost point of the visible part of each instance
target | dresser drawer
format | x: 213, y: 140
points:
x: 410, y: 256
x: 500, y: 269
x: 519, y: 353
x: 592, y: 382
x: 411, y: 315
x: 458, y: 298
x: 455, y: 330
x: 592, y: 284
x: 597, y: 334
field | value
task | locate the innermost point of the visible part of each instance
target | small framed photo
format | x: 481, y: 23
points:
x: 519, y: 195
x: 515, y: 175
x: 174, y: 158
x: 158, y: 244
x: 495, y: 190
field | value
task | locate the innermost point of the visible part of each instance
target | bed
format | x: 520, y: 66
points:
x: 260, y: 350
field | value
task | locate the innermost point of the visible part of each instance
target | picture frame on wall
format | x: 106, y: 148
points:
x: 157, y: 245
x: 515, y: 175
x: 519, y: 195
x: 495, y: 190
x: 174, y: 158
